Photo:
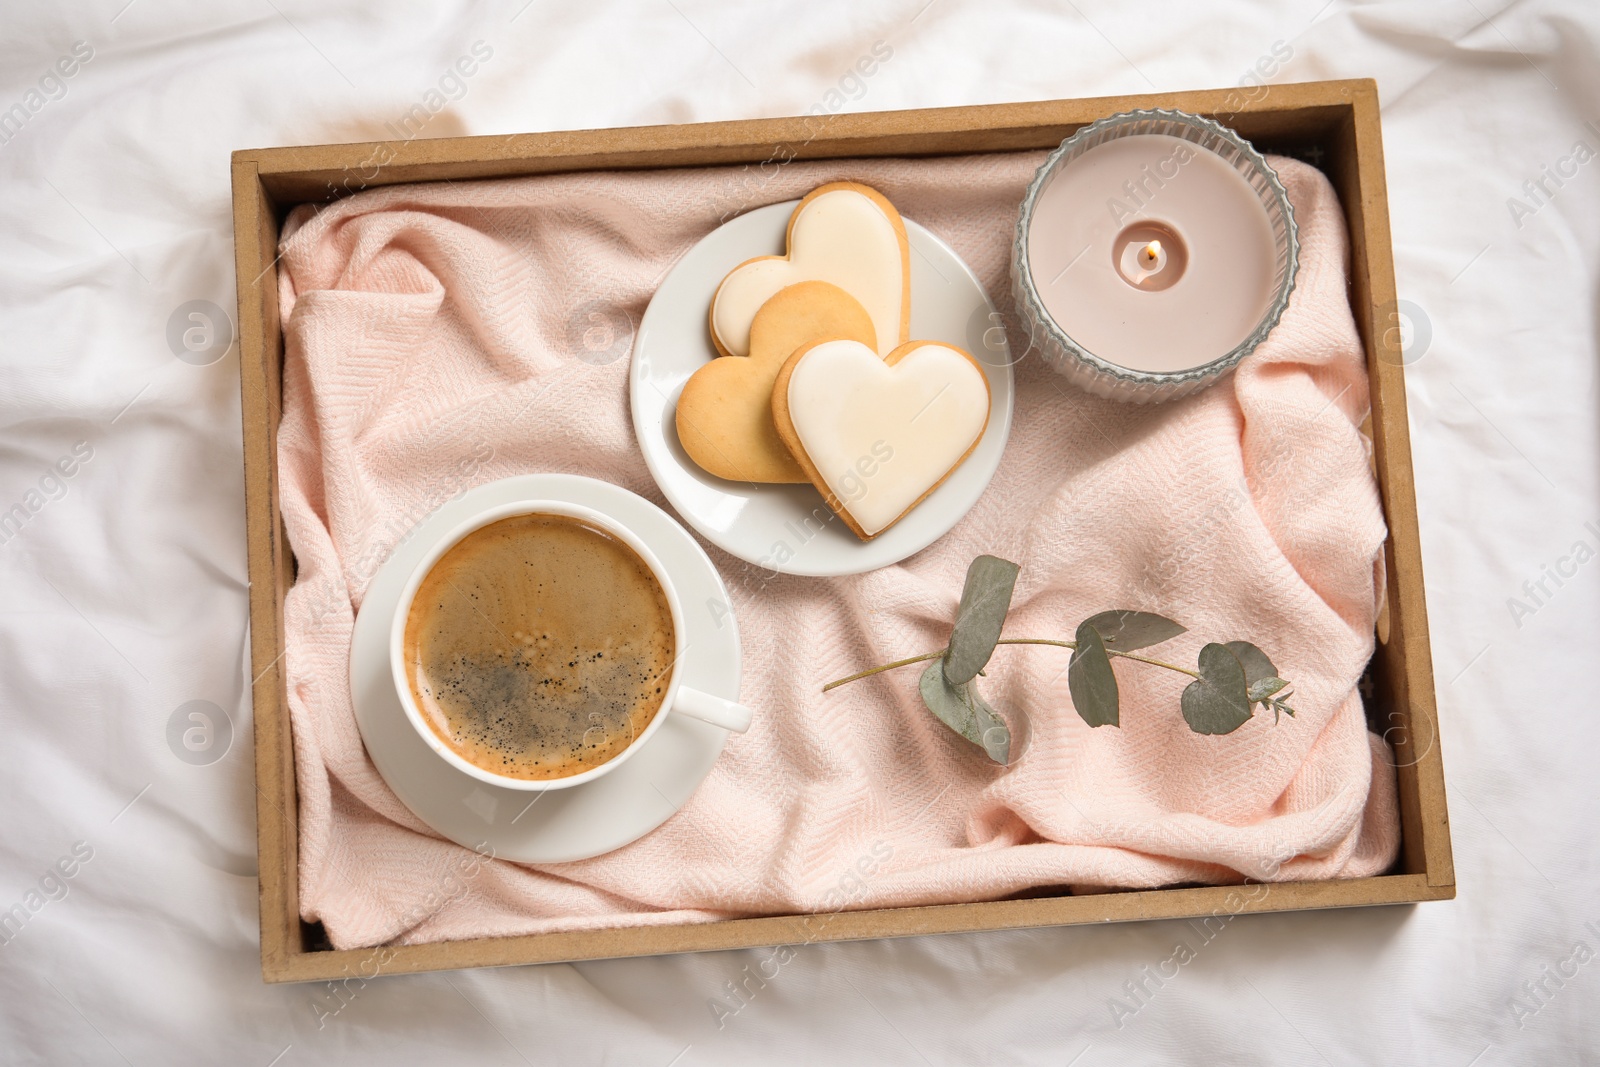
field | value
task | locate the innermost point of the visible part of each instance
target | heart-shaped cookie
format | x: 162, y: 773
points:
x: 843, y: 233
x: 876, y: 436
x: 724, y: 413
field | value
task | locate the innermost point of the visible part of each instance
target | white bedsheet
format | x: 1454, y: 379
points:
x: 124, y: 591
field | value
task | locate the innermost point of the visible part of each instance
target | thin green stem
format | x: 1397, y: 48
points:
x: 1037, y: 641
x: 1153, y: 662
x: 886, y: 667
x: 1110, y: 652
x: 1007, y: 641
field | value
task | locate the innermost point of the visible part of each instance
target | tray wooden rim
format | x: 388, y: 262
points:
x: 1342, y: 114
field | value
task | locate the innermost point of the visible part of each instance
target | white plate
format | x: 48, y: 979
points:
x: 763, y: 524
x: 562, y: 824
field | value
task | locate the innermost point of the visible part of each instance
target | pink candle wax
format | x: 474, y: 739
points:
x: 1153, y: 253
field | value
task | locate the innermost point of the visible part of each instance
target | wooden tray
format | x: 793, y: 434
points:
x: 1333, y: 123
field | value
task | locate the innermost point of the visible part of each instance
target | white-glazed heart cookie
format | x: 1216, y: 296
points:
x: 877, y: 435
x: 843, y: 233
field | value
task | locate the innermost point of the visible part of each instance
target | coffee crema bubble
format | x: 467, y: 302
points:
x: 539, y: 647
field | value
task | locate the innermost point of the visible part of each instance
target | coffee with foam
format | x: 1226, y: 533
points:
x: 539, y: 647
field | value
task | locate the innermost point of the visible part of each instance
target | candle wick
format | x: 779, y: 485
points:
x: 1152, y: 251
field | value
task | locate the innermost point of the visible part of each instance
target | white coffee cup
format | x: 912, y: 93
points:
x: 679, y: 699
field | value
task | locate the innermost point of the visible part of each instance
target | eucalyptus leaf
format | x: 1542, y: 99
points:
x: 1217, y: 702
x: 1091, y: 680
x: 1257, y: 667
x: 1262, y: 688
x: 985, y: 599
x: 996, y: 735
x: 966, y: 712
x: 945, y: 701
x: 1128, y: 630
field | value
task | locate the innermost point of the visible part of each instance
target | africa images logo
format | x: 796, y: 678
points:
x: 52, y: 85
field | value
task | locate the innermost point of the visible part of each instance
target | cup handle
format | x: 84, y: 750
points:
x: 711, y: 709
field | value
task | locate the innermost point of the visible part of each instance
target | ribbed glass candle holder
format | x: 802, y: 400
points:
x: 1102, y: 376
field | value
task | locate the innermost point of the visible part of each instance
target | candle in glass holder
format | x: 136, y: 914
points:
x: 1155, y: 249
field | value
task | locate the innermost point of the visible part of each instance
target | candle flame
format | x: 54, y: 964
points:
x: 1152, y: 251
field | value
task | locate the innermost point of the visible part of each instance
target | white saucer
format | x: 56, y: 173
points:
x: 562, y: 824
x: 763, y: 524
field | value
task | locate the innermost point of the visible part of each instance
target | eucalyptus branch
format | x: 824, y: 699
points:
x: 1231, y: 680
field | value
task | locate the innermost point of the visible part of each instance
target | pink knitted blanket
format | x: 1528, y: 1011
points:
x: 421, y: 320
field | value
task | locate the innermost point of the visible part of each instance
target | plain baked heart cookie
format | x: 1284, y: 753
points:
x: 724, y: 415
x: 843, y: 233
x: 877, y: 435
